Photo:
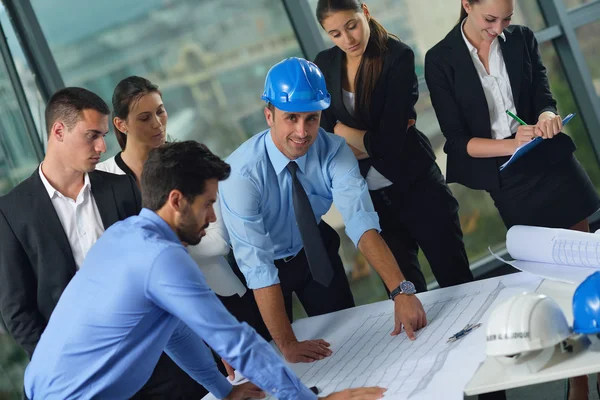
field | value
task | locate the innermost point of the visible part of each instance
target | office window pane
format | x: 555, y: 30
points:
x: 209, y: 58
x: 576, y: 3
x: 421, y: 27
x: 590, y: 46
x: 34, y: 98
x: 566, y: 104
x: 17, y: 161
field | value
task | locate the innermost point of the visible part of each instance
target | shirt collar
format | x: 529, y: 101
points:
x: 52, y: 191
x: 472, y: 48
x: 278, y: 159
x: 161, y: 224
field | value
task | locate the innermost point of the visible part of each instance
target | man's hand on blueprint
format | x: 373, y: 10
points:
x: 306, y: 351
x: 244, y: 391
x: 409, y: 312
x: 366, y: 393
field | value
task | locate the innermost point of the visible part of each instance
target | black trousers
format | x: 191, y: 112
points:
x: 295, y: 276
x: 425, y: 216
x: 168, y: 381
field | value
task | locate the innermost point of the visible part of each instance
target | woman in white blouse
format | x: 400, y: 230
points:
x: 140, y: 122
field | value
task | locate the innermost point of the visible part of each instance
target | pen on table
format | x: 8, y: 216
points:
x: 314, y: 390
x: 513, y: 116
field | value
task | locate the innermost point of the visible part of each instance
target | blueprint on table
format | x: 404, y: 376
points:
x: 364, y: 353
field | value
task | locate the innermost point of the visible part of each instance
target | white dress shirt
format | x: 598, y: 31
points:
x: 209, y: 253
x: 497, y: 89
x: 375, y: 180
x: 79, y: 218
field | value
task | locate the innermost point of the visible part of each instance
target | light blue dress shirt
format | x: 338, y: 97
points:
x: 138, y: 293
x: 256, y: 200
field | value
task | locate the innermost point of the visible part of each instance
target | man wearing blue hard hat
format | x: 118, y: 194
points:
x: 283, y: 180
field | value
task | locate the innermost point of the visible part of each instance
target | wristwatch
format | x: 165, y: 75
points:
x: 405, y: 287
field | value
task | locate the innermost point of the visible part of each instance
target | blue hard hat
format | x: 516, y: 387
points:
x: 586, y: 305
x: 296, y: 85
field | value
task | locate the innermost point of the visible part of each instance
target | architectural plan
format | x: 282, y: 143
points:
x: 365, y: 354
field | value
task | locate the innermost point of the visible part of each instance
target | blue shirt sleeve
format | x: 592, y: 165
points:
x: 351, y: 195
x: 177, y: 285
x: 189, y: 351
x: 252, y: 244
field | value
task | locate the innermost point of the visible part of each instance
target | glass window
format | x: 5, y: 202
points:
x: 209, y: 58
x: 17, y: 161
x: 422, y: 27
x: 590, y: 46
x: 576, y: 3
x: 34, y: 98
x: 566, y: 104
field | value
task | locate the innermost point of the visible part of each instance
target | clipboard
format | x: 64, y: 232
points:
x: 527, y: 147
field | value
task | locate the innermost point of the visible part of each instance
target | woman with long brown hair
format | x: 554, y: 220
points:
x: 370, y: 76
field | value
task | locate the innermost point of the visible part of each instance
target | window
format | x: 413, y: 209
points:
x: 18, y: 160
x: 34, y: 98
x: 209, y: 58
x: 576, y: 3
x: 588, y: 40
x: 566, y: 104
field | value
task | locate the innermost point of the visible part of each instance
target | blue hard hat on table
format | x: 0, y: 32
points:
x: 586, y: 305
x: 296, y: 85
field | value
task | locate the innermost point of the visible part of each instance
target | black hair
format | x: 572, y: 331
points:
x: 183, y: 166
x: 67, y: 105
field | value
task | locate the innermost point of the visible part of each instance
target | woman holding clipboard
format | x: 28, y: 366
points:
x: 370, y: 76
x: 481, y: 69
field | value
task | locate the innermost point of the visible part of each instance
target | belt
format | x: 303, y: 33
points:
x: 290, y: 258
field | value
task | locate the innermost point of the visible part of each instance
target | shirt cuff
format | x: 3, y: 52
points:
x: 220, y: 388
x: 361, y: 222
x: 260, y: 276
x: 303, y: 394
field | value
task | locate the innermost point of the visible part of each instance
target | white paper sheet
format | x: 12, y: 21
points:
x: 554, y: 246
x: 555, y: 272
x: 364, y: 353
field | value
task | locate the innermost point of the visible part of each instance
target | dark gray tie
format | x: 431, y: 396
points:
x: 316, y: 254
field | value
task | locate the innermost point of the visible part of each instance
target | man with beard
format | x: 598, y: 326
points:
x: 139, y: 293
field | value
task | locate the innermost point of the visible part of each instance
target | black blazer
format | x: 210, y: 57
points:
x: 36, y: 261
x: 462, y: 111
x: 400, y: 155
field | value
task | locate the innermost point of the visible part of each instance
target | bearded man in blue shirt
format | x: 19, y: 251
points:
x: 139, y: 293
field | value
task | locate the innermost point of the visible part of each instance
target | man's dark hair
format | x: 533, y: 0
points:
x: 67, y: 105
x: 183, y: 166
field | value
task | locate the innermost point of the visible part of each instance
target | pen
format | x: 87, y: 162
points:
x: 513, y: 116
x: 314, y: 390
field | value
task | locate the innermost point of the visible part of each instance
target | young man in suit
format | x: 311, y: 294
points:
x: 49, y: 221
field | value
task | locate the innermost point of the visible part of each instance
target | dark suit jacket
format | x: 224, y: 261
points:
x: 36, y: 261
x: 400, y: 155
x: 462, y: 111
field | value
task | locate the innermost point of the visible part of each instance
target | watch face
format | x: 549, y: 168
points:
x: 408, y: 287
